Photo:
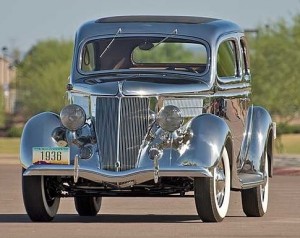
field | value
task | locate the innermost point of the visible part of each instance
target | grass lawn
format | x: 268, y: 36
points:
x: 286, y: 144
x: 9, y: 145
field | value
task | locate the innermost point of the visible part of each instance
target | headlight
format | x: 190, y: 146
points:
x: 72, y: 117
x: 169, y: 118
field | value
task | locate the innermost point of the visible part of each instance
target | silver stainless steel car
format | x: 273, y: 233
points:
x: 157, y: 106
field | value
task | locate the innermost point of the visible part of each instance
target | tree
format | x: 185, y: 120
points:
x: 275, y: 68
x: 2, y: 113
x: 171, y: 53
x: 42, y: 76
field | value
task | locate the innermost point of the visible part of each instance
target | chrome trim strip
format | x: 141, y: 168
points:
x: 118, y: 135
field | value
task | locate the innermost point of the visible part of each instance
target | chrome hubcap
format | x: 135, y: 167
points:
x: 220, y: 183
x: 265, y: 186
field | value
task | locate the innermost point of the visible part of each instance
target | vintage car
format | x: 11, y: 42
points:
x: 156, y: 106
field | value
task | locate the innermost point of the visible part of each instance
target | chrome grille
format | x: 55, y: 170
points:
x: 121, y: 124
x: 189, y: 107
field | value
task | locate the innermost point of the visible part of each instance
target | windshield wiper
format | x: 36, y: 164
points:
x: 113, y: 39
x: 167, y: 37
x: 150, y: 46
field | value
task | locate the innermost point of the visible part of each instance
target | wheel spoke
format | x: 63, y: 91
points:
x: 49, y: 191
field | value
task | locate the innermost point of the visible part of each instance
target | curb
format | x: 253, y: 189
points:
x: 290, y: 171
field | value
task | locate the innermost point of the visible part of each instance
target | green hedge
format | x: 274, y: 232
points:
x: 283, y: 128
x: 15, y: 131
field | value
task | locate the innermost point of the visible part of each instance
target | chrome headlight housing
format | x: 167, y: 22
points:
x: 73, y: 117
x: 169, y: 118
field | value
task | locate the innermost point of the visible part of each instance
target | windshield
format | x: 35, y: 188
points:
x: 151, y: 53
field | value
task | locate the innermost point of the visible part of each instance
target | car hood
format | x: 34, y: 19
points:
x: 137, y: 88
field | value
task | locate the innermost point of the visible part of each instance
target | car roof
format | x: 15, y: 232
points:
x: 157, y: 19
x: 205, y: 28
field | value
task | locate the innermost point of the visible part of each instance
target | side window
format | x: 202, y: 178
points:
x: 88, y: 58
x: 227, y: 59
x: 245, y: 57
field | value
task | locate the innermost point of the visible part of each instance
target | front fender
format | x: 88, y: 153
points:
x: 209, y: 136
x: 37, y: 132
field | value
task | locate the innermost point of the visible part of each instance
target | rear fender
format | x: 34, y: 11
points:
x: 258, y: 139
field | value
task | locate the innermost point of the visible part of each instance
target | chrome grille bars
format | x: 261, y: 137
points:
x: 121, y: 124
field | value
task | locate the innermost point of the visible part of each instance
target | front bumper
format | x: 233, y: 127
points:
x: 122, y: 178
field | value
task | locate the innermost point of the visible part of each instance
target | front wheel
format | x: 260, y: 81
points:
x: 88, y: 206
x: 39, y: 198
x: 255, y: 200
x: 212, y: 194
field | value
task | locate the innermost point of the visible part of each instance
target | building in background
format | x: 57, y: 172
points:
x: 7, y: 78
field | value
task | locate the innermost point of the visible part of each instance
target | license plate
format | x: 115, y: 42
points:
x: 51, y: 155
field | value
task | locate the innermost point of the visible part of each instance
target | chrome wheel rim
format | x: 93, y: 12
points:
x: 220, y: 183
x: 264, y: 189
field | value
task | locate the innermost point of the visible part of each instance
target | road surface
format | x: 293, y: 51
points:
x: 150, y: 217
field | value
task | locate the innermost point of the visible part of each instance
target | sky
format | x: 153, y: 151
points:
x: 23, y: 23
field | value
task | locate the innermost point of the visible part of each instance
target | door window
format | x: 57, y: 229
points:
x: 227, y: 59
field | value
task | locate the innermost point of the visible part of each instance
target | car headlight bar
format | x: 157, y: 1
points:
x: 169, y: 118
x: 73, y: 117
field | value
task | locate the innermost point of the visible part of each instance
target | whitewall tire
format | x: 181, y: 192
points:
x: 212, y: 195
x: 40, y: 201
x: 255, y: 200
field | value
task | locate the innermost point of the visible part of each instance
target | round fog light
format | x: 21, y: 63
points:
x: 169, y: 118
x: 86, y: 152
x: 59, y: 136
x: 72, y: 117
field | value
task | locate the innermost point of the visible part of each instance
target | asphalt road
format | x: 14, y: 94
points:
x: 150, y: 217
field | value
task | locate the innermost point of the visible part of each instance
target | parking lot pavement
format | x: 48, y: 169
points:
x: 149, y: 217
x: 9, y: 159
x: 285, y: 164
